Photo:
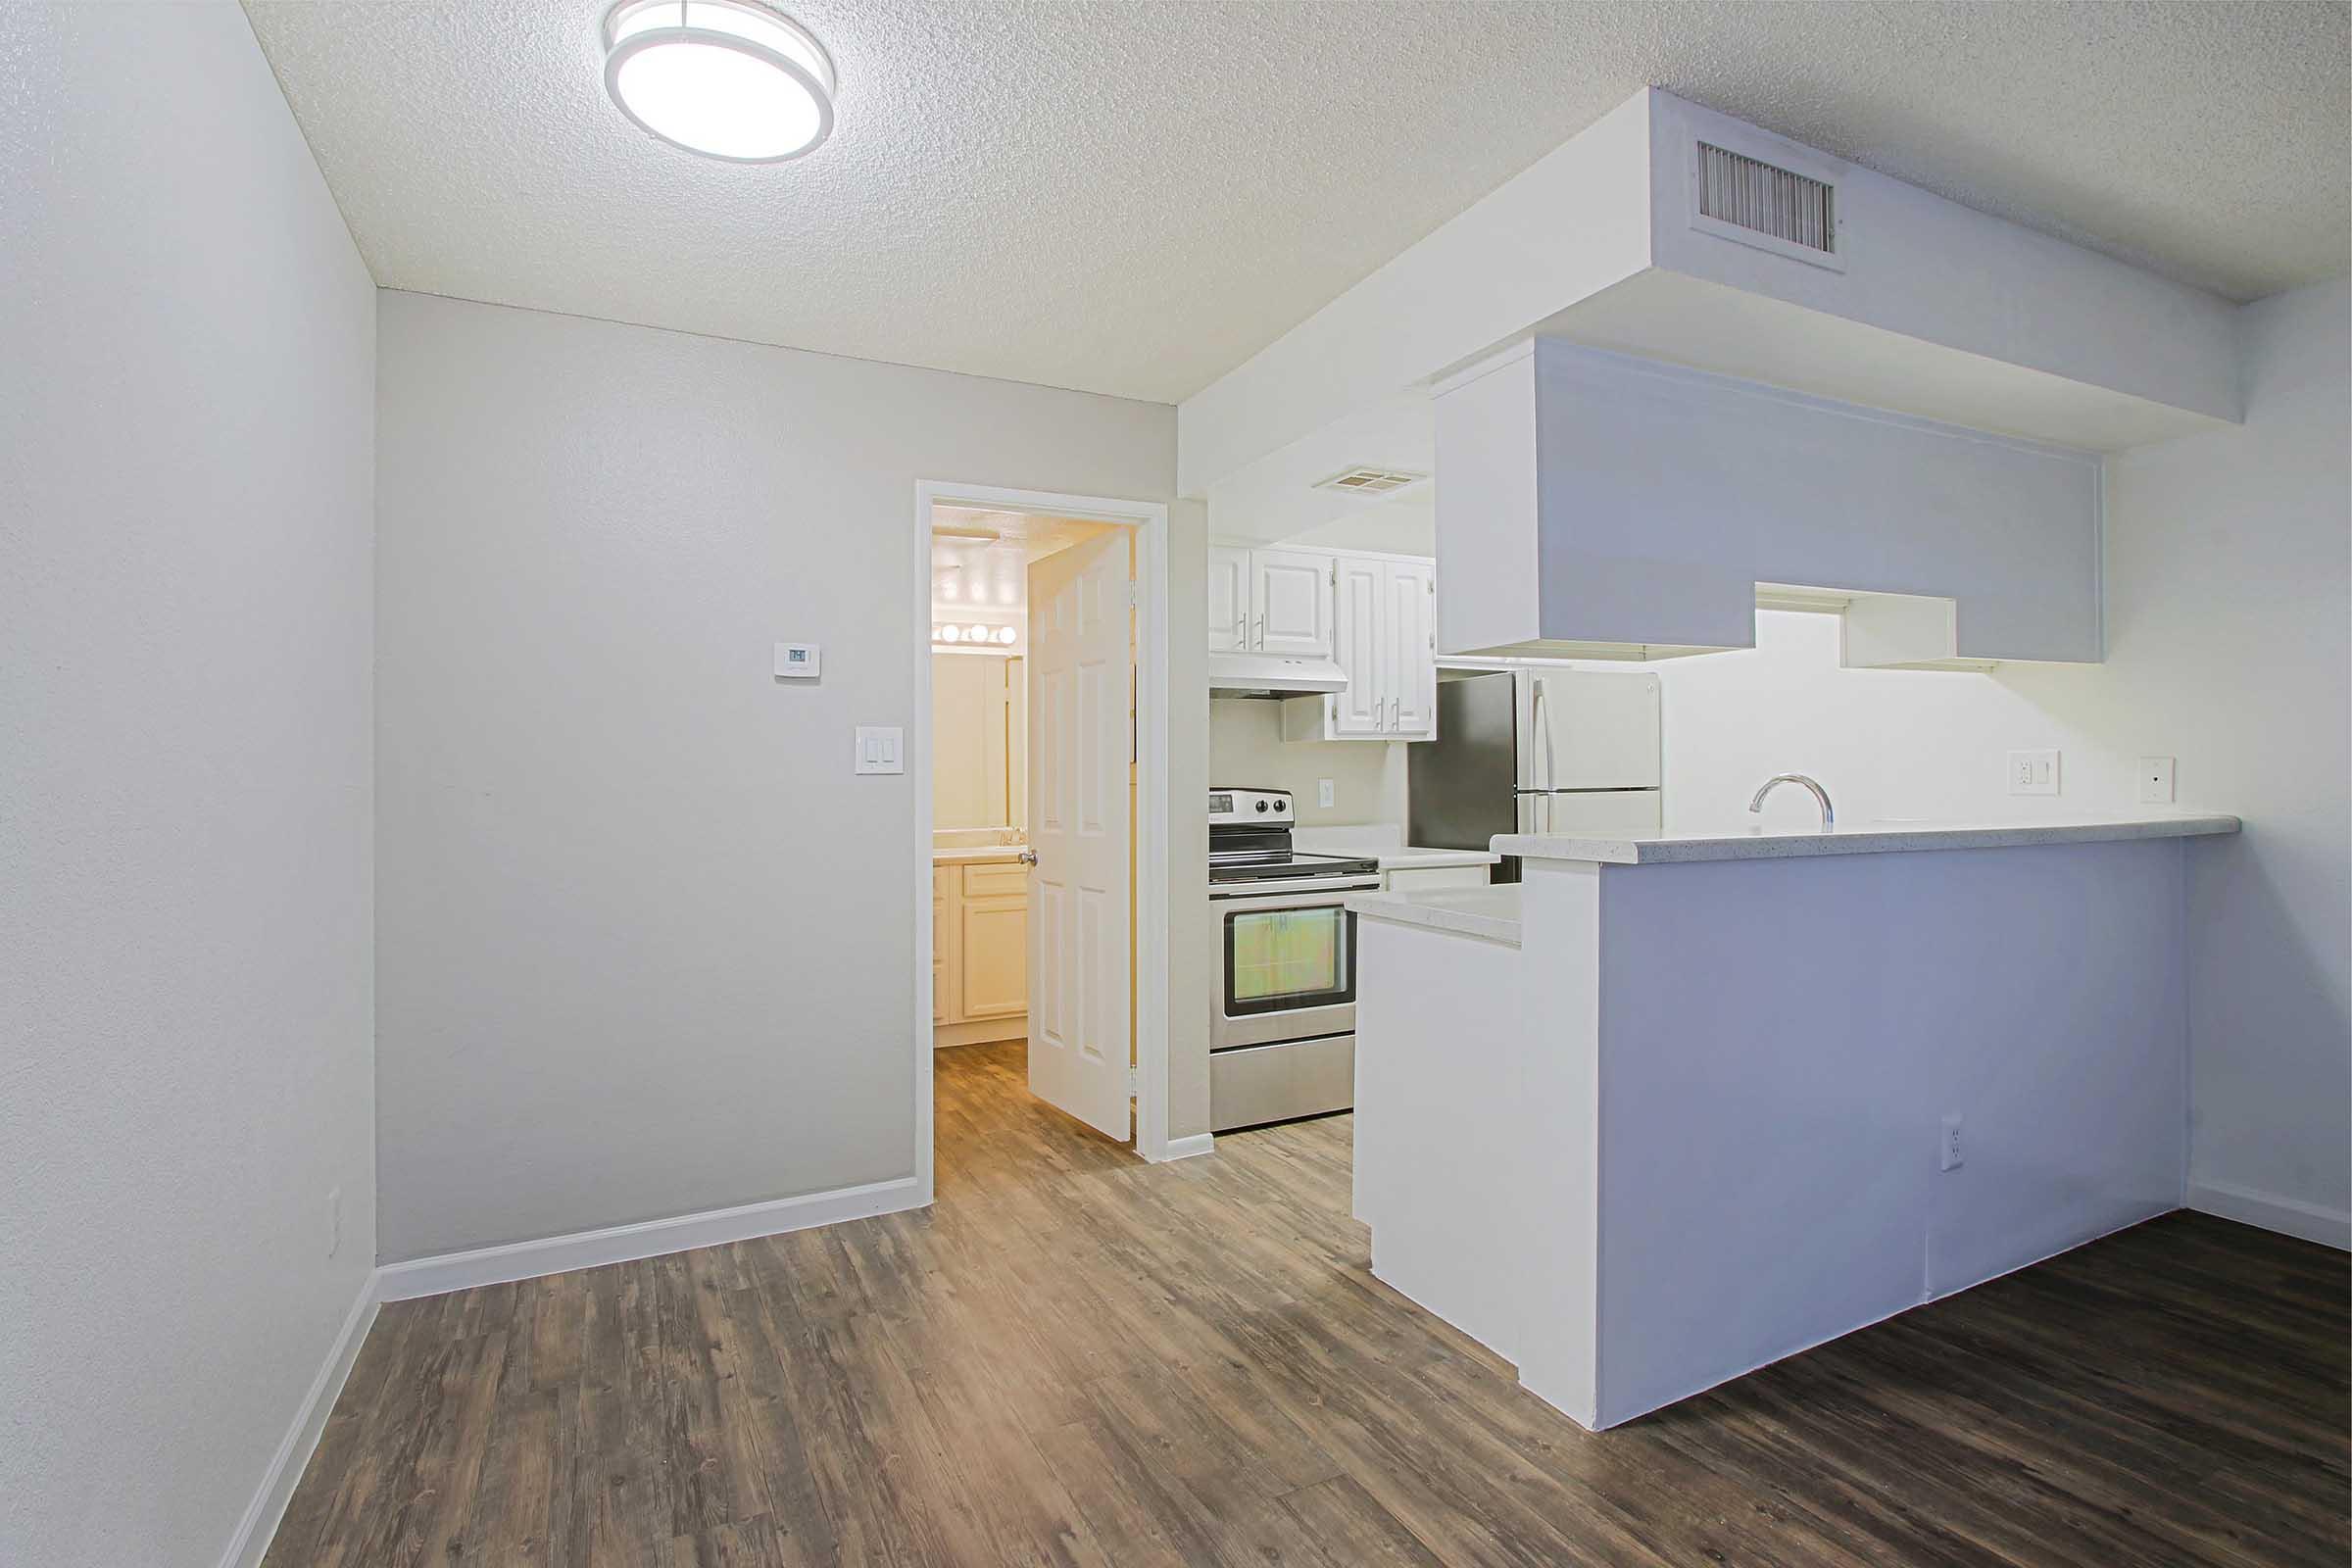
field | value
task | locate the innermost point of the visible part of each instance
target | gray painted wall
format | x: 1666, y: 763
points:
x: 186, y: 391
x: 645, y: 939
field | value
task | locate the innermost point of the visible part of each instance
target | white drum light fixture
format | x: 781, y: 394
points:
x: 726, y: 79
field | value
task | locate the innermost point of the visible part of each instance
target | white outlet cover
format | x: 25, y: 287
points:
x: 2033, y: 772
x: 2155, y: 781
x: 1323, y: 792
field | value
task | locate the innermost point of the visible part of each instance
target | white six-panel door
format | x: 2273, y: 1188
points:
x: 1081, y: 670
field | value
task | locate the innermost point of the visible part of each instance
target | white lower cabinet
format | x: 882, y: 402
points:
x: 979, y: 952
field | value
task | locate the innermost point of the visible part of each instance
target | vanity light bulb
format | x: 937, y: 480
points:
x: 1007, y: 635
x: 946, y: 634
x: 977, y: 634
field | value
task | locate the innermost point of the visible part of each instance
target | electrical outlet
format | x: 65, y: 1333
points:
x: 1948, y: 1150
x: 335, y: 1220
x: 2033, y: 772
x: 1323, y: 792
x: 2155, y: 781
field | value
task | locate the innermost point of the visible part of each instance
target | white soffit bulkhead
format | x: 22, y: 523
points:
x: 1135, y: 198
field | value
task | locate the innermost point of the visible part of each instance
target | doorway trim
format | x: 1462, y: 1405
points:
x: 1150, y: 519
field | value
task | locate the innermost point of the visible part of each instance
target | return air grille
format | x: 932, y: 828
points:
x: 1749, y: 194
x: 1370, y: 482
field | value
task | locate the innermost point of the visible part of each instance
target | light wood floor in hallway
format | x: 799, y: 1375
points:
x: 1076, y: 1358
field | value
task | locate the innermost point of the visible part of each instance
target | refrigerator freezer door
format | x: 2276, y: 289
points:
x: 1581, y: 731
x: 1458, y: 787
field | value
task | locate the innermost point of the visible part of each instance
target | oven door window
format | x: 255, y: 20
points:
x: 1277, y: 959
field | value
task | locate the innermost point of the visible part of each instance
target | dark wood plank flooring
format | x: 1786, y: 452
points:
x: 1074, y: 1358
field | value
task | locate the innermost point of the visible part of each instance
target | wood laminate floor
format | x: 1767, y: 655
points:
x: 1076, y: 1358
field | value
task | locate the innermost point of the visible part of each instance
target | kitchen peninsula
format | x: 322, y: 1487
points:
x: 1690, y: 1104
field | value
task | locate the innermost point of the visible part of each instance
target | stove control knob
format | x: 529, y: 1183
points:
x: 1282, y: 805
x: 1261, y: 806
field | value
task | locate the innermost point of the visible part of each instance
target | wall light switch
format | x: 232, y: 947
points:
x: 1323, y: 792
x: 796, y: 661
x: 2156, y: 781
x: 881, y: 749
x: 2033, y: 772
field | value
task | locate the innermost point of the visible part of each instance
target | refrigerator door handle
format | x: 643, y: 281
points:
x: 1544, y: 728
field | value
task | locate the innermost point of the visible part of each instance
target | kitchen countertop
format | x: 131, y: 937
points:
x: 1857, y: 838
x: 1491, y: 911
x: 981, y: 854
x: 1385, y: 842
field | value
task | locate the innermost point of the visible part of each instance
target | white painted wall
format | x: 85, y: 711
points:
x: 185, y: 523
x: 1569, y: 225
x: 1247, y: 751
x: 644, y: 936
x: 1927, y: 266
x: 1660, y: 497
x: 1942, y: 308
x: 2227, y: 586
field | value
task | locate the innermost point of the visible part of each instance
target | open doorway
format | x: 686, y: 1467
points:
x: 1043, y: 826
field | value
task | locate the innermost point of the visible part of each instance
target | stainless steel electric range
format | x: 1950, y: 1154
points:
x: 1281, y: 1028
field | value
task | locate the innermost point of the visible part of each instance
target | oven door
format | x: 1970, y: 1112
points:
x: 1286, y: 964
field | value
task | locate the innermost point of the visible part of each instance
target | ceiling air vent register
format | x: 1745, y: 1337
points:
x: 1370, y: 482
x: 1761, y: 204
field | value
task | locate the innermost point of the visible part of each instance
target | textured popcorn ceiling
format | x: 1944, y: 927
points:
x: 1133, y: 197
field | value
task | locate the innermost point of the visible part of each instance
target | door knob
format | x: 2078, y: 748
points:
x: 1028, y: 857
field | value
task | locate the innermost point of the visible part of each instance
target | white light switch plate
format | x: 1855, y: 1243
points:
x: 881, y: 749
x: 2033, y: 772
x: 2156, y: 781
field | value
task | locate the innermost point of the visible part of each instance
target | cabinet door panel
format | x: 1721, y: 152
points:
x: 1228, y: 599
x: 996, y: 957
x: 1410, y: 651
x: 945, y: 919
x: 1358, y: 623
x: 1289, y: 594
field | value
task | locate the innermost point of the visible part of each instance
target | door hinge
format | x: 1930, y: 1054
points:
x: 1131, y: 593
x: 1131, y: 1084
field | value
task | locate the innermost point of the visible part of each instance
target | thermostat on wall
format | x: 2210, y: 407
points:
x: 796, y: 661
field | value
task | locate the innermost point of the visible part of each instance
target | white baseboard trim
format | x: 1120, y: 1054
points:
x: 259, y: 1527
x: 2289, y: 1216
x: 1187, y: 1148
x: 624, y: 1244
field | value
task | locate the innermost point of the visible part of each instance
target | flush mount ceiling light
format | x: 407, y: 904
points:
x: 726, y: 79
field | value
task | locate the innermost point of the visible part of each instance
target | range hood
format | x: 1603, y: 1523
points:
x: 1272, y: 675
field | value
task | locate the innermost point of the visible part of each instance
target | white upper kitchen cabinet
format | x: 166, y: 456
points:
x: 1411, y: 648
x: 1383, y: 610
x: 1290, y: 600
x: 1228, y: 599
x: 1359, y: 616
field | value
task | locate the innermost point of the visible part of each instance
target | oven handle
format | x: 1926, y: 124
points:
x: 1326, y: 898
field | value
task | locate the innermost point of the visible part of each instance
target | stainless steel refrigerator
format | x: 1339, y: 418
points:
x: 1536, y: 751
